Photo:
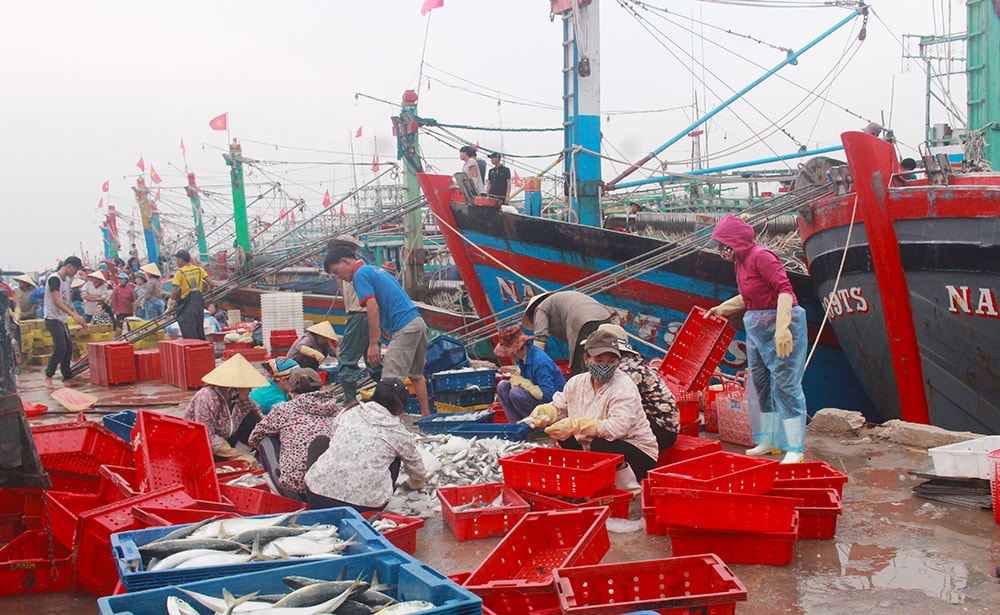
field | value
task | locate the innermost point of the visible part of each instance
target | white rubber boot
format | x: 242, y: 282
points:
x: 769, y: 428
x: 625, y: 479
x: 795, y: 437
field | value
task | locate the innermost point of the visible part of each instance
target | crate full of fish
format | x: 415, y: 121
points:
x: 444, y: 422
x: 481, y: 511
x: 401, y: 531
x: 362, y: 583
x: 161, y: 556
x: 514, y: 432
x: 473, y: 396
x: 460, y: 379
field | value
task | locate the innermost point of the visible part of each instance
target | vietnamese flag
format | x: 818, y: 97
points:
x: 153, y: 175
x: 326, y: 199
x: 342, y: 209
x: 106, y: 186
x: 184, y: 151
x: 430, y: 5
x: 219, y: 122
x: 375, y: 166
x: 518, y: 181
x: 158, y: 193
x: 141, y: 164
x: 100, y: 204
x: 357, y: 133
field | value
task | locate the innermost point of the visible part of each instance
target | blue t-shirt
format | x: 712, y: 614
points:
x: 395, y: 308
x: 267, y: 397
x: 541, y: 370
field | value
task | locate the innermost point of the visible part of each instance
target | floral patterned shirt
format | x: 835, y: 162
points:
x: 657, y: 399
x: 222, y: 418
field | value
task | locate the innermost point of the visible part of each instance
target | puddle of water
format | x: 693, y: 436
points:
x: 875, y: 567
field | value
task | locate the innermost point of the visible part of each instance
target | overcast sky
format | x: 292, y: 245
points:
x: 89, y: 87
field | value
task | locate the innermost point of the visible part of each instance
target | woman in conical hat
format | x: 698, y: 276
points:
x: 224, y: 406
x: 315, y: 344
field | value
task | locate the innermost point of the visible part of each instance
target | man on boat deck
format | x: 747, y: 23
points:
x: 499, y: 180
x: 470, y: 166
x: 190, y: 282
x: 389, y: 310
x: 567, y: 315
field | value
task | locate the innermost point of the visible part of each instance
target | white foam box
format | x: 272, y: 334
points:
x: 969, y: 459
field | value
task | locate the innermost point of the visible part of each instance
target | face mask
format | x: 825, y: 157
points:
x: 601, y: 372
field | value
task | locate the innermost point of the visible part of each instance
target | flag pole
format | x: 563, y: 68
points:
x: 354, y: 171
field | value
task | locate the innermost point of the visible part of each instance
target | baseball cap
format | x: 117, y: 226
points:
x: 393, y: 386
x: 304, y: 380
x: 600, y: 342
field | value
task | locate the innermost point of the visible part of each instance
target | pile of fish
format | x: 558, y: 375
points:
x: 307, y: 597
x: 382, y: 525
x: 235, y: 541
x: 453, y: 461
x: 248, y: 480
x: 460, y: 416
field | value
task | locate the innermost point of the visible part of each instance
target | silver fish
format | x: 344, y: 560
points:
x: 321, y: 592
x: 177, y: 606
x: 267, y: 534
x: 183, y: 531
x: 405, y: 608
x: 169, y: 547
x: 218, y: 605
x: 179, y: 558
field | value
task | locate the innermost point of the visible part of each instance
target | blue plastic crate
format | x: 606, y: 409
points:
x: 464, y: 379
x: 121, y: 424
x: 429, y: 425
x: 475, y: 396
x: 411, y: 579
x: 125, y: 550
x: 508, y: 431
x: 413, y: 404
x: 444, y: 353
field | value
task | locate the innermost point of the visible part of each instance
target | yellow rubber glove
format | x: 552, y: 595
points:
x: 171, y: 304
x: 539, y: 344
x: 727, y: 308
x: 312, y: 353
x: 518, y: 380
x: 415, y: 484
x: 782, y: 336
x: 562, y: 430
x: 585, y: 427
x: 544, y: 414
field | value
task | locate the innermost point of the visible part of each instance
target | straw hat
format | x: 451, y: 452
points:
x: 97, y: 275
x: 623, y: 343
x: 325, y: 329
x: 236, y: 373
x: 510, y: 341
x: 528, y: 320
x: 151, y: 269
x: 25, y: 278
x: 77, y: 283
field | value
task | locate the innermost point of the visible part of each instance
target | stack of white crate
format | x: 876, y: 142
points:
x: 280, y: 311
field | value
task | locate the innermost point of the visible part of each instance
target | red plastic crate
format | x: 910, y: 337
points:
x: 249, y: 502
x: 994, y: 461
x: 809, y: 475
x: 111, y: 363
x: 818, y: 513
x: 404, y: 535
x: 499, y: 416
x: 696, y: 351
x: 118, y: 483
x: 64, y: 512
x: 708, y: 408
x: 485, y: 522
x: 174, y: 451
x: 73, y: 453
x: 690, y: 429
x: 156, y: 516
x: 688, y: 406
x: 719, y: 471
x: 771, y: 548
x: 250, y: 354
x: 283, y: 339
x: 681, y: 585
x: 653, y: 527
x: 721, y: 510
x: 20, y: 510
x: 25, y: 566
x: 185, y: 362
x: 147, y: 365
x: 687, y: 447
x: 617, y: 499
x: 516, y: 577
x: 557, y: 471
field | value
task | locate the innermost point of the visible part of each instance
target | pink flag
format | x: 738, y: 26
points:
x: 357, y: 134
x: 375, y: 166
x: 141, y: 164
x: 282, y: 213
x: 326, y: 199
x: 153, y: 176
x: 430, y: 5
x: 106, y: 186
x: 342, y: 209
x: 100, y: 204
x: 219, y: 122
x: 158, y: 193
x: 184, y: 151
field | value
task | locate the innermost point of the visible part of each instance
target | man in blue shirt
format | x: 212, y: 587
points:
x: 391, y: 311
x: 537, y: 381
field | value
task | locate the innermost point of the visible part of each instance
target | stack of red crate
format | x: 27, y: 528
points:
x: 282, y: 340
x: 147, y: 364
x: 111, y: 362
x: 185, y: 362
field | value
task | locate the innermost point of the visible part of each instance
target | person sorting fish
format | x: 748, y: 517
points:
x: 601, y: 411
x: 536, y: 381
x: 567, y: 315
x: 311, y: 412
x: 315, y: 345
x: 360, y: 465
x: 277, y: 389
x: 224, y: 406
x: 775, y: 328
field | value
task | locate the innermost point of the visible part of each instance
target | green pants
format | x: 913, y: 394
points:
x: 354, y: 347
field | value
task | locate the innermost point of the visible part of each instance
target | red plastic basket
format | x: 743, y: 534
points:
x: 688, y: 405
x: 404, y: 535
x: 111, y: 363
x: 994, y: 458
x: 809, y: 475
x: 174, y: 451
x: 25, y: 566
x: 484, y: 522
x: 819, y: 512
x: 117, y: 483
x: 696, y: 351
x: 147, y: 364
x: 617, y: 499
x: 719, y: 471
x: 687, y: 447
x: 185, y: 362
x: 516, y: 577
x: 769, y: 548
x: 690, y: 429
x: 721, y: 510
x: 250, y: 354
x: 251, y: 502
x: 499, y: 416
x: 733, y: 412
x: 680, y: 585
x: 653, y: 527
x: 73, y: 453
x: 708, y: 406
x: 557, y: 471
x: 157, y: 516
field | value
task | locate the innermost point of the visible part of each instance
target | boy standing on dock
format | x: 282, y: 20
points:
x: 389, y: 310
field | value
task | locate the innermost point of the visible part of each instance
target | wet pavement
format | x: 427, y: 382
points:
x: 892, y: 552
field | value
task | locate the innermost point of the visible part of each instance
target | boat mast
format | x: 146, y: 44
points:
x: 150, y: 221
x: 199, y: 227
x: 984, y: 74
x: 405, y: 127
x: 582, y: 107
x: 235, y: 161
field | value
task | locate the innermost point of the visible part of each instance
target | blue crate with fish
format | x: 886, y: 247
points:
x: 445, y: 422
x: 508, y: 431
x: 121, y: 424
x: 461, y: 379
x: 393, y: 574
x: 466, y: 398
x: 413, y: 404
x: 132, y: 551
x: 444, y: 353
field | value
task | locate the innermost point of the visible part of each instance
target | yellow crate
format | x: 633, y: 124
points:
x: 97, y: 329
x: 41, y: 359
x: 146, y: 344
x: 443, y: 407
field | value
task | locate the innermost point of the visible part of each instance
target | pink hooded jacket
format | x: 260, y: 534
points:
x: 760, y: 275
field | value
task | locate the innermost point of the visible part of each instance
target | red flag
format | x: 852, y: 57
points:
x: 100, y: 204
x: 282, y: 214
x: 158, y: 194
x: 106, y: 186
x: 141, y: 164
x: 153, y: 175
x: 184, y: 151
x: 219, y: 122
x: 357, y: 134
x: 518, y: 182
x: 326, y: 199
x: 375, y: 166
x: 342, y: 209
x: 430, y: 5
x: 293, y: 215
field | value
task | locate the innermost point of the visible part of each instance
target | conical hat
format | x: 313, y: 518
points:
x: 528, y: 320
x: 324, y: 329
x: 77, y: 283
x: 151, y: 269
x: 236, y: 373
x: 97, y: 275
x: 25, y: 278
